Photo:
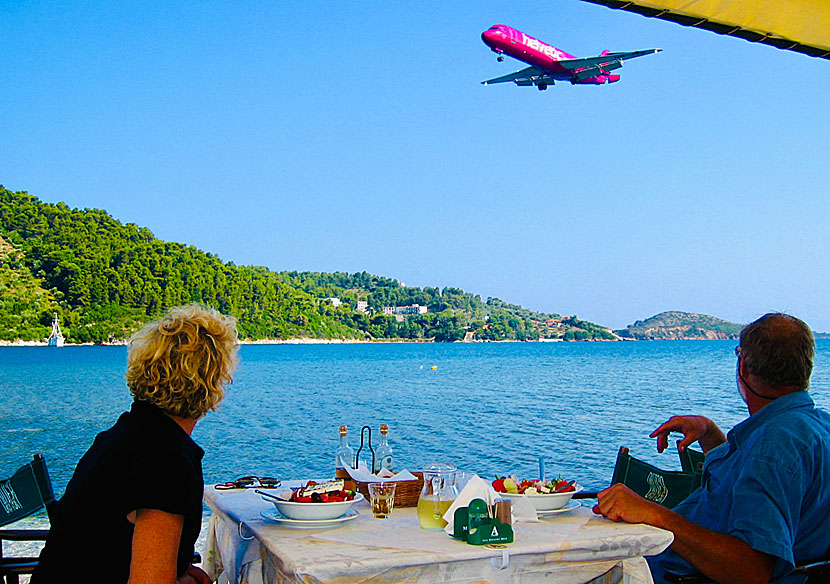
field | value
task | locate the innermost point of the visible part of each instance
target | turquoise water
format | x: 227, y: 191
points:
x: 490, y: 408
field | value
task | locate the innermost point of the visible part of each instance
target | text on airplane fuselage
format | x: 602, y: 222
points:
x: 548, y: 50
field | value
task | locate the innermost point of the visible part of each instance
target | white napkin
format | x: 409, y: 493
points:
x: 362, y: 474
x: 477, y: 488
x: 523, y: 509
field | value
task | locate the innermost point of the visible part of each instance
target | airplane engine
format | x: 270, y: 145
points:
x: 613, y: 78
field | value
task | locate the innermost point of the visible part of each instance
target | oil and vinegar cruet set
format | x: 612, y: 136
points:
x: 437, y: 493
x: 373, y: 459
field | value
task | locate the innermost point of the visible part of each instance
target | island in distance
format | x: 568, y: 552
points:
x: 675, y: 325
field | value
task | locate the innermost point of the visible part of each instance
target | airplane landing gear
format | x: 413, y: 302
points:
x: 500, y: 58
x: 541, y: 86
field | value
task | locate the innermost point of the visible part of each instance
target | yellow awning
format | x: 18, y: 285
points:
x: 795, y: 25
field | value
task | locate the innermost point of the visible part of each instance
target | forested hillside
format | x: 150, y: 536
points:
x: 25, y: 307
x: 105, y: 278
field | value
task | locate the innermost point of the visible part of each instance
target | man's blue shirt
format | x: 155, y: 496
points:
x: 768, y: 484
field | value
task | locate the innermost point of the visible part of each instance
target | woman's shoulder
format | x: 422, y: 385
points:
x: 141, y: 441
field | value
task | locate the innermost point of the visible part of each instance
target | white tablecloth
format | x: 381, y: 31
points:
x: 574, y: 547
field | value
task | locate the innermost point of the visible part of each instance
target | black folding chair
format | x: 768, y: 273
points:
x: 28, y: 491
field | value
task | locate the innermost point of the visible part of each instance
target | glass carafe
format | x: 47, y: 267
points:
x: 437, y: 495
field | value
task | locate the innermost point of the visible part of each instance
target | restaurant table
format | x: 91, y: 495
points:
x: 573, y: 547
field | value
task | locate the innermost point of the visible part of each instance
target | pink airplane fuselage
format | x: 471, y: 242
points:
x: 504, y: 39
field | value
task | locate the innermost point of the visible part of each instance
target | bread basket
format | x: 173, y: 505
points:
x: 407, y: 493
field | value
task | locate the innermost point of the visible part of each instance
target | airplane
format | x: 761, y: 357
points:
x: 549, y: 64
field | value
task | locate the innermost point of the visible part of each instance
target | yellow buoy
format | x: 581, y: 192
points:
x: 435, y: 366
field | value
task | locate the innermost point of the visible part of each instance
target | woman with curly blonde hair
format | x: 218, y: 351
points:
x: 135, y: 500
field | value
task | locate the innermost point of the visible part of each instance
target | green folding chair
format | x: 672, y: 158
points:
x: 28, y: 491
x: 692, y: 460
x: 670, y: 487
x: 666, y: 487
x: 817, y: 572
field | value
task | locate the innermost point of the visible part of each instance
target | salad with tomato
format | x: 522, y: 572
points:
x: 328, y: 492
x: 514, y: 486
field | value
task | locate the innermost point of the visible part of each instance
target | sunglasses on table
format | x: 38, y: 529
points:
x: 250, y: 482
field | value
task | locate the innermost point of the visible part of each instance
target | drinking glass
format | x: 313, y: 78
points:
x: 462, y: 478
x: 382, y: 497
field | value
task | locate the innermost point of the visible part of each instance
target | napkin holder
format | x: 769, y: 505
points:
x: 474, y: 525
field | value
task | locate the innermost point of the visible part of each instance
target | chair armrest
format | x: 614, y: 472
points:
x: 686, y: 578
x: 17, y: 566
x: 812, y: 567
x: 585, y: 495
x: 24, y: 534
x: 809, y: 568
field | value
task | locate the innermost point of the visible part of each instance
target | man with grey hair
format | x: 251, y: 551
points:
x: 764, y: 502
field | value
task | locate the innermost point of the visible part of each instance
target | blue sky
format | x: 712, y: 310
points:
x: 357, y: 136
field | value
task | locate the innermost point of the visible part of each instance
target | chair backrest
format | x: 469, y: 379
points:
x: 692, y: 460
x: 666, y: 487
x: 28, y: 491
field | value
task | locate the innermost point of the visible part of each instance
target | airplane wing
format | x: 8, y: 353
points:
x: 580, y: 68
x: 603, y: 60
x: 593, y: 66
x: 525, y: 74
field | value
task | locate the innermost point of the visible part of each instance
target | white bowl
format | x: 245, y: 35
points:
x: 545, y: 502
x: 312, y: 511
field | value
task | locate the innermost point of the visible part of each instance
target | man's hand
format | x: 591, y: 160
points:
x: 693, y: 428
x: 619, y: 503
x: 194, y: 575
x: 724, y: 558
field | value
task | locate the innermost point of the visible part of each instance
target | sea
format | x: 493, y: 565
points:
x: 489, y: 408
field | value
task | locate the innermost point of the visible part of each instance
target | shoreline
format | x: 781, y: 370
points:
x: 312, y: 341
x: 20, y: 343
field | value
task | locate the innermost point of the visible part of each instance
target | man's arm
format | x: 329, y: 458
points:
x: 694, y: 429
x: 724, y: 558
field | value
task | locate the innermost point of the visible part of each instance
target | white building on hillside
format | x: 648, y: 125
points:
x: 411, y: 309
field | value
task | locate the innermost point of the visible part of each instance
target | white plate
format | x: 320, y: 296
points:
x: 274, y: 515
x: 571, y: 505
